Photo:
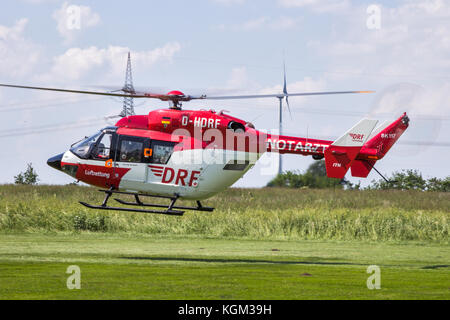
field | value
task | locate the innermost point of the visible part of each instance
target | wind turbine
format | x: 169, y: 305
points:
x: 280, y: 129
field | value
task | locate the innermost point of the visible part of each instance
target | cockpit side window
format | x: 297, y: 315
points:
x: 83, y: 148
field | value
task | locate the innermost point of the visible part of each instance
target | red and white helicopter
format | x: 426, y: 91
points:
x: 188, y: 154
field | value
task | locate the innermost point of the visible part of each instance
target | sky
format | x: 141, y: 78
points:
x: 400, y: 49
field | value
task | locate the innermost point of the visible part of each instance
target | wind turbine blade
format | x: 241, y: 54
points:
x: 289, y: 108
x: 285, y: 90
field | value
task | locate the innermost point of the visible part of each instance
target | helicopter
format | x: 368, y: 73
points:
x: 173, y: 154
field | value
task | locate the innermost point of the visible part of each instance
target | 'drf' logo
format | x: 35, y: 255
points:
x: 180, y: 177
x: 357, y: 137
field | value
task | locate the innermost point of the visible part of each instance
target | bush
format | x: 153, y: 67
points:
x: 412, y: 180
x: 29, y: 177
x: 441, y: 185
x: 315, y: 177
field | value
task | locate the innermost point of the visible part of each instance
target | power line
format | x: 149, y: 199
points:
x: 128, y: 102
x: 339, y: 111
x: 49, y: 128
x: 40, y: 106
x: 357, y: 74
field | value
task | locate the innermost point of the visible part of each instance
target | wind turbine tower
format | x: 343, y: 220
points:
x: 280, y: 98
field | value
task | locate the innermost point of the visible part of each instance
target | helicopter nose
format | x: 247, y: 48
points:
x: 55, y: 162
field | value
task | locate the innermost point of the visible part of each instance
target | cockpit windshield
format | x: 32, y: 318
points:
x: 83, y: 148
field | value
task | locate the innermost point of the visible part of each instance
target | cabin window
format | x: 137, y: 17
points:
x: 131, y: 151
x: 161, y: 151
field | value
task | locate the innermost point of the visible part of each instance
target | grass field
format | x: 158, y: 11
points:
x: 120, y: 267
x: 258, y: 244
x: 241, y: 213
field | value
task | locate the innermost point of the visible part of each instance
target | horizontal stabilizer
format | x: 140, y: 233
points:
x: 362, y: 168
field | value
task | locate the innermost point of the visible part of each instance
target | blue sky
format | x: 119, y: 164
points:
x: 237, y: 45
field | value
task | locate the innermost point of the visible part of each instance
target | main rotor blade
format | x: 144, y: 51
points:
x: 280, y: 95
x: 137, y: 89
x: 166, y: 97
x: 78, y: 91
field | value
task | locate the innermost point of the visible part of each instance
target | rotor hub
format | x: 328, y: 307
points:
x: 175, y: 97
x: 175, y: 93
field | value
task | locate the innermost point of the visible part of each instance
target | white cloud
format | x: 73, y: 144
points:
x: 416, y: 99
x: 317, y: 5
x: 39, y: 1
x: 413, y: 32
x: 263, y: 23
x: 434, y: 7
x: 229, y: 2
x: 253, y: 24
x: 283, y: 23
x: 18, y: 56
x: 308, y: 84
x: 238, y: 78
x: 413, y: 44
x: 14, y: 32
x: 72, y: 20
x: 91, y: 63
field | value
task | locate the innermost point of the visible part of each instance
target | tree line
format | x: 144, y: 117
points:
x: 315, y: 177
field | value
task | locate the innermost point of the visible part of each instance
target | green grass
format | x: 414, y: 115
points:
x: 257, y: 244
x: 121, y: 267
x: 241, y: 213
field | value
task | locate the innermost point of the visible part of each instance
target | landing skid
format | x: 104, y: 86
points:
x: 170, y: 209
x: 168, y: 212
x: 139, y: 203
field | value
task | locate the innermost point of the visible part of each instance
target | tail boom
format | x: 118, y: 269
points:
x: 359, y: 148
x: 296, y: 145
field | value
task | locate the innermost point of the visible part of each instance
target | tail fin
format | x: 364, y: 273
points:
x: 340, y: 155
x: 386, y: 137
x: 381, y: 140
x: 378, y: 129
